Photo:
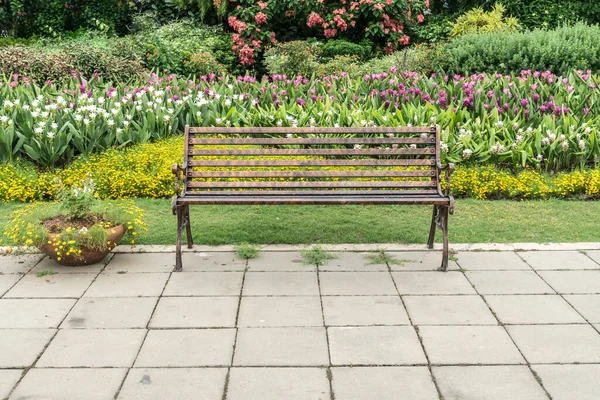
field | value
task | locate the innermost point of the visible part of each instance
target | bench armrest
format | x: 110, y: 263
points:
x: 448, y: 170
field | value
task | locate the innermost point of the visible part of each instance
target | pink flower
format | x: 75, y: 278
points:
x: 314, y: 19
x: 260, y: 18
x: 420, y: 18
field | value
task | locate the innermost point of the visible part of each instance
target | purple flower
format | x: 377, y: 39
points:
x: 301, y: 101
x: 536, y: 97
x: 524, y: 102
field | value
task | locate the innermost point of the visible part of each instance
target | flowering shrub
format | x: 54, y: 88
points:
x: 532, y: 119
x: 259, y: 23
x: 144, y: 171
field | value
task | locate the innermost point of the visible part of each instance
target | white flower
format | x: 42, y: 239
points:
x: 35, y: 114
x: 4, y: 118
x: 119, y: 130
x: 86, y: 121
x: 219, y: 120
x: 545, y: 141
x: 519, y: 139
x: 390, y: 135
x: 515, y: 125
x: 363, y: 122
x: 114, y: 111
x: 467, y: 153
x: 39, y: 130
x: 413, y: 146
x: 78, y: 117
x: 497, y: 148
x: 83, y: 230
x: 499, y: 124
x: 562, y: 138
x: 588, y: 130
x: 336, y: 125
x: 581, y: 145
x: 529, y: 131
x: 26, y: 106
x: 540, y: 157
x: 312, y: 121
x: 357, y: 146
x: 54, y: 125
x: 444, y: 147
x: 279, y: 122
x: 50, y: 135
x: 166, y: 117
x: 565, y: 146
x: 227, y: 102
x: 110, y: 122
x: 100, y: 100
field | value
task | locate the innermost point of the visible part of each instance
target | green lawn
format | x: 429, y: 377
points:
x: 474, y: 221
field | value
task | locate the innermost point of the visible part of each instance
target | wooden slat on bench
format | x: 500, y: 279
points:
x: 311, y: 184
x: 318, y: 141
x: 302, y: 131
x: 314, y: 193
x: 310, y: 163
x: 309, y: 174
x: 313, y: 200
x: 311, y: 152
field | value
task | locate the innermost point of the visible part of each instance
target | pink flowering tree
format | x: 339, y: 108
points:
x: 259, y: 23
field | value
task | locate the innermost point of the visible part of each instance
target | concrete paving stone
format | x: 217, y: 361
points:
x: 594, y: 255
x: 187, y: 348
x: 211, y: 262
x: 306, y: 346
x: 533, y: 309
x: 375, y: 345
x: 70, y: 383
x: 170, y: 383
x: 364, y: 310
x: 279, y: 261
x: 204, y: 284
x: 141, y: 262
x: 449, y: 310
x: 7, y: 281
x: 277, y: 384
x: 575, y: 282
x: 508, y: 282
x: 20, y: 347
x: 469, y: 345
x: 419, y: 261
x: 489, y: 261
x: 421, y: 283
x: 101, y: 312
x: 351, y: 261
x: 544, y: 260
x: 357, y: 283
x: 93, y: 348
x: 48, y: 264
x: 281, y: 284
x: 383, y: 383
x: 570, y: 382
x: 588, y: 305
x: 514, y: 382
x: 557, y: 343
x: 195, y: 312
x: 128, y: 285
x: 58, y: 286
x: 20, y: 264
x: 8, y: 380
x: 280, y: 311
x: 33, y: 313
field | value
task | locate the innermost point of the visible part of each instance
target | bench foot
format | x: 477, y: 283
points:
x: 188, y: 228
x: 432, y: 229
x: 180, y: 223
x: 444, y: 228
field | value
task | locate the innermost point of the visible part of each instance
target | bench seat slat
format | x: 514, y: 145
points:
x: 313, y: 193
x: 282, y: 200
x: 311, y: 163
x: 309, y: 174
x: 312, y: 184
x: 430, y: 140
x: 316, y: 130
x: 311, y: 152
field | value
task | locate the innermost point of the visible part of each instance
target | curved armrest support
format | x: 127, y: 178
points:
x: 176, y: 170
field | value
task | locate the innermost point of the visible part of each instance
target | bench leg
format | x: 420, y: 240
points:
x: 444, y: 226
x: 188, y: 228
x: 180, y: 222
x: 432, y: 229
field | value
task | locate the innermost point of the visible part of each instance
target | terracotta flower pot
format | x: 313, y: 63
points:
x: 87, y: 256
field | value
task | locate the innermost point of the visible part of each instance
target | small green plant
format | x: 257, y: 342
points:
x: 316, y: 255
x: 39, y: 274
x: 479, y: 21
x: 78, y: 201
x: 382, y: 257
x: 247, y: 251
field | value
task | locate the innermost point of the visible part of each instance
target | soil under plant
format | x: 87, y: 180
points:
x: 60, y: 223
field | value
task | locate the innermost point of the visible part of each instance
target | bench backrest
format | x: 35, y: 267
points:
x: 296, y: 161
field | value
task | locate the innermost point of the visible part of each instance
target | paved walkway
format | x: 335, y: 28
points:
x: 500, y: 325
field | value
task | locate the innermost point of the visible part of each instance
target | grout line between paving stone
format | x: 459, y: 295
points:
x: 562, y: 296
x: 145, y: 335
x: 437, y: 388
x: 535, y: 375
x: 328, y: 371
x: 237, y: 317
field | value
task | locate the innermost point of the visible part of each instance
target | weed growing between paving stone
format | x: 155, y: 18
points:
x: 382, y: 257
x: 316, y: 255
x: 247, y: 251
x: 44, y: 273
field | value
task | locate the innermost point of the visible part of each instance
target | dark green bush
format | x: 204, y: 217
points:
x: 342, y: 47
x: 560, y: 51
x: 297, y: 57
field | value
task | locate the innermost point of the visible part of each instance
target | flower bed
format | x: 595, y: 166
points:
x: 144, y: 171
x: 535, y: 119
